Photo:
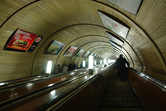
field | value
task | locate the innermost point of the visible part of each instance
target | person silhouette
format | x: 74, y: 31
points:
x: 120, y: 65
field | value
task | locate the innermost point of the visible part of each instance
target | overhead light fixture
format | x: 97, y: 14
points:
x: 49, y: 67
x: 105, y: 61
x: 83, y: 63
x: 90, y: 62
x: 95, y: 62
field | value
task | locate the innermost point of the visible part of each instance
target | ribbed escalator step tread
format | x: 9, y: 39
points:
x: 122, y: 109
x: 119, y: 95
x: 120, y: 104
x: 119, y: 90
x: 118, y: 85
x: 120, y: 99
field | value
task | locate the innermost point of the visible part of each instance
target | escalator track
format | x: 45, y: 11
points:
x: 119, y: 96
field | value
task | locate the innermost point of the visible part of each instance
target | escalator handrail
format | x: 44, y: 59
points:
x: 40, y: 90
x: 76, y: 73
x: 7, y: 84
x: 76, y: 89
x: 153, y: 80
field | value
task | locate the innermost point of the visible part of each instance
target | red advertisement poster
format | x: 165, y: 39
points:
x: 21, y: 40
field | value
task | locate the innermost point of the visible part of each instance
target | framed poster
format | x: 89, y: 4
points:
x: 35, y: 43
x: 94, y: 55
x: 114, y: 39
x: 115, y: 46
x: 86, y: 54
x: 114, y: 25
x: 54, y: 48
x: 78, y: 54
x: 70, y: 51
x: 22, y: 41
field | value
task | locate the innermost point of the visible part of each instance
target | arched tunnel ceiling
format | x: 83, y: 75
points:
x: 77, y: 23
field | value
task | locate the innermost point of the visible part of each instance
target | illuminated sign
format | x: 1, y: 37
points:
x: 22, y: 41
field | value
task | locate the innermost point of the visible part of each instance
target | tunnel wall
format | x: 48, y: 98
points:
x: 144, y: 45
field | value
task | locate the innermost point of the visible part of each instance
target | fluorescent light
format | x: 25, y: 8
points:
x: 105, y: 61
x: 83, y: 64
x: 49, y: 67
x: 90, y: 62
x: 95, y: 62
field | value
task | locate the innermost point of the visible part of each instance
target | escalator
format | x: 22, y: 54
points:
x: 119, y: 96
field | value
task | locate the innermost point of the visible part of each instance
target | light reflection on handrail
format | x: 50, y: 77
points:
x: 153, y: 80
x: 2, y: 83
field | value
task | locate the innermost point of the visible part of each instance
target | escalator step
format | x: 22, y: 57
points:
x: 120, y: 92
x: 122, y: 109
x: 119, y: 95
x: 119, y: 89
x: 120, y: 104
x: 120, y: 99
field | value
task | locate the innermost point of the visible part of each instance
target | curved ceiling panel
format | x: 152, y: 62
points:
x: 78, y: 23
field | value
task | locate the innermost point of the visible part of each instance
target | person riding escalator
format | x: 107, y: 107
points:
x: 120, y: 65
